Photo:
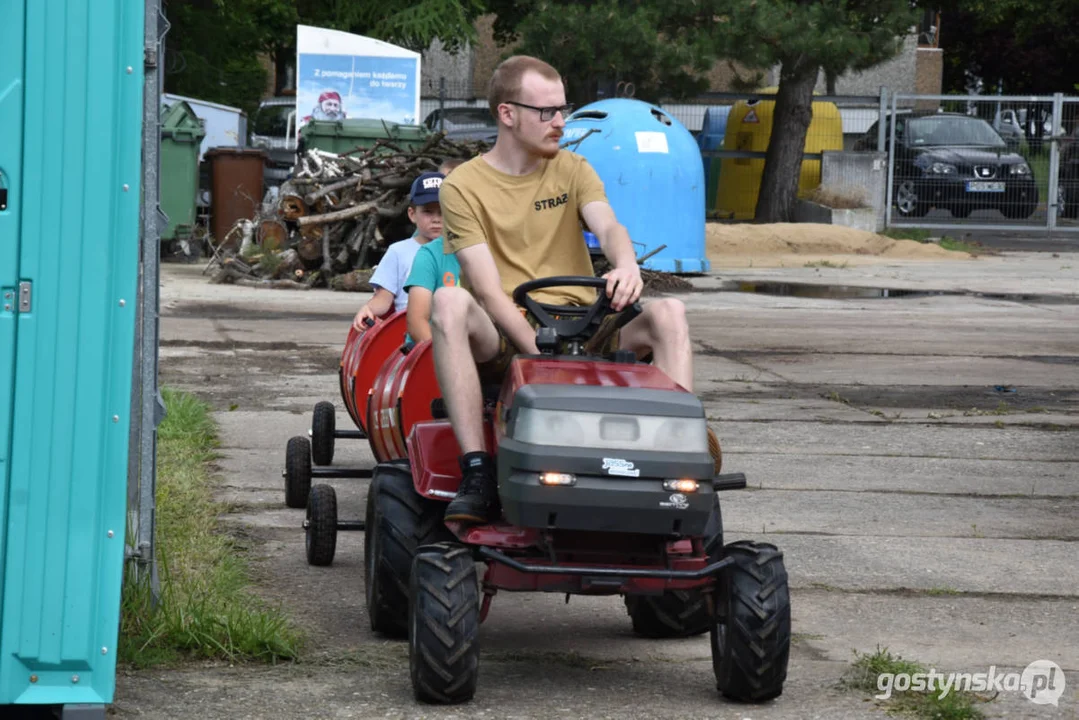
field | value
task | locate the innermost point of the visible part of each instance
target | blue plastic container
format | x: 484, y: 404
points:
x: 592, y: 243
x: 713, y: 132
x: 71, y: 74
x: 714, y: 128
x: 651, y: 168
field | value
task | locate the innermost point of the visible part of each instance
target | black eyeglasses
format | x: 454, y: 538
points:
x: 546, y: 113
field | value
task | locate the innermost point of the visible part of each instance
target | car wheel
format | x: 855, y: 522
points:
x: 907, y: 202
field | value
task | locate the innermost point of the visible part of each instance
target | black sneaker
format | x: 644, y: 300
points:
x: 476, y: 500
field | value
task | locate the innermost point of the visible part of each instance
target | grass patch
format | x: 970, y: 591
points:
x: 867, y: 669
x: 205, y: 609
x: 922, y: 236
x: 826, y: 264
x: 836, y: 397
x: 960, y: 246
x: 905, y: 233
x: 1002, y: 408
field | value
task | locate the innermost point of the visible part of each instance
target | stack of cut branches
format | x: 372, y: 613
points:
x: 336, y: 214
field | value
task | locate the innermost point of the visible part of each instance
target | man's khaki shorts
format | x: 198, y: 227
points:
x: 604, y: 342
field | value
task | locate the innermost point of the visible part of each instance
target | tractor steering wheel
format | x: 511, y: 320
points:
x: 576, y: 322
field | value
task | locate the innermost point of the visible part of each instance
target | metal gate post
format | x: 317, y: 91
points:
x: 880, y: 118
x: 442, y: 103
x: 146, y: 405
x: 891, y: 165
x: 1054, y: 163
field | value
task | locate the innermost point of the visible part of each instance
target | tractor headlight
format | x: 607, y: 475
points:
x: 610, y: 431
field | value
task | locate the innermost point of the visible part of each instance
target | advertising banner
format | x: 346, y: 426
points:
x: 340, y: 75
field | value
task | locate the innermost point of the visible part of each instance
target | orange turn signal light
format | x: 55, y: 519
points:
x: 553, y: 478
x: 681, y: 486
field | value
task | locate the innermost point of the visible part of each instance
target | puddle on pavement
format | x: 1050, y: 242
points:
x: 843, y: 292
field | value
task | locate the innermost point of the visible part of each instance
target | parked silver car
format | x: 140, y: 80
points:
x: 273, y: 129
x: 463, y: 123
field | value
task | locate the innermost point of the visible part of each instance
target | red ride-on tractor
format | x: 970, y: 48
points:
x: 607, y: 487
x: 308, y: 458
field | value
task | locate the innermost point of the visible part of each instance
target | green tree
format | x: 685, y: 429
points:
x: 1028, y: 49
x: 804, y: 37
x: 211, y: 51
x: 665, y: 46
x: 597, y: 44
x: 214, y: 45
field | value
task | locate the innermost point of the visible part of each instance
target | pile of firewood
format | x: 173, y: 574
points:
x: 337, y: 214
x: 333, y: 220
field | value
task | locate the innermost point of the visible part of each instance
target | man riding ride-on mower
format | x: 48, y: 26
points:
x: 511, y: 216
x: 579, y: 469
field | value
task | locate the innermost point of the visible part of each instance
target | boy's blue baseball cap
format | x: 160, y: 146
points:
x: 425, y: 188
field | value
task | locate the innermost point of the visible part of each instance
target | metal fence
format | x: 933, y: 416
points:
x: 451, y: 104
x: 993, y: 162
x: 733, y: 132
x: 147, y: 408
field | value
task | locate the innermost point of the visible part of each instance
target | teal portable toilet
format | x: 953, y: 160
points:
x: 71, y: 105
x: 651, y: 167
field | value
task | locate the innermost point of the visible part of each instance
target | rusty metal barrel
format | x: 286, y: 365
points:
x: 401, y: 397
x: 365, y: 352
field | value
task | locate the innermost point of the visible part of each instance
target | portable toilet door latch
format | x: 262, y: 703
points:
x: 26, y: 293
x: 3, y: 193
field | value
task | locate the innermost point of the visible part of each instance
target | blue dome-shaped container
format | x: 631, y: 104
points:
x: 651, y: 168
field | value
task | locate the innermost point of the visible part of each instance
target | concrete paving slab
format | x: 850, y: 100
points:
x: 768, y: 367
x: 975, y: 565
x: 734, y: 323
x: 899, y: 515
x: 960, y: 476
x: 950, y: 630
x: 913, y: 369
x: 884, y: 440
x: 742, y: 410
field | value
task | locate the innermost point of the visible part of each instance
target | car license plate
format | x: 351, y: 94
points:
x: 974, y: 186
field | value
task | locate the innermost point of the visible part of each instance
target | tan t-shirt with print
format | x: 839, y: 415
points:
x: 531, y: 222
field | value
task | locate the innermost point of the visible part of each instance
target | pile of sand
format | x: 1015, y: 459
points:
x: 795, y: 244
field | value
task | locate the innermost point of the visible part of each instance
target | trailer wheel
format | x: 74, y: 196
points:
x: 297, y: 471
x: 321, y: 535
x: 751, y: 638
x: 323, y: 426
x: 444, y: 624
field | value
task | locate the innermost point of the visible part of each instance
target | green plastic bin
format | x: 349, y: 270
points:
x: 711, y: 176
x: 340, y: 136
x: 181, y: 135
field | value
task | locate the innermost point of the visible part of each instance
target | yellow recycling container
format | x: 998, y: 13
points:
x: 749, y: 127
